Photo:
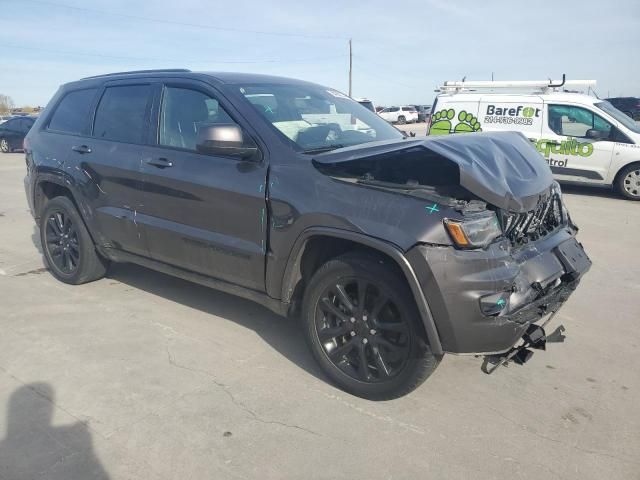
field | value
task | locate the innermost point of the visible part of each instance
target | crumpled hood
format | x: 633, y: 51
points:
x: 501, y: 168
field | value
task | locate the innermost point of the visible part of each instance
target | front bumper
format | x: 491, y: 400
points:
x: 533, y: 280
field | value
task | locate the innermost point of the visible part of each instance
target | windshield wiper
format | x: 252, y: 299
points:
x: 326, y: 148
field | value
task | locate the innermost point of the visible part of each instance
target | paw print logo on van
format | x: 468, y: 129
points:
x: 442, y: 123
x: 468, y: 123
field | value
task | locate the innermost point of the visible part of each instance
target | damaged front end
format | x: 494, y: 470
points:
x: 500, y: 254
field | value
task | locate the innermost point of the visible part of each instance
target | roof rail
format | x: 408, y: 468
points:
x: 161, y: 70
x: 535, y: 85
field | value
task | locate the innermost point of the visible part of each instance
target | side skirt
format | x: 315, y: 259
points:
x: 262, y: 298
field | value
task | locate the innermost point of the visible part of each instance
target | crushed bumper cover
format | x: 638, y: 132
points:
x: 529, y: 283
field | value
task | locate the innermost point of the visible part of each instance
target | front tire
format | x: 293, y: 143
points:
x: 4, y: 146
x: 364, y: 330
x: 402, y: 120
x: 628, y: 182
x: 68, y: 249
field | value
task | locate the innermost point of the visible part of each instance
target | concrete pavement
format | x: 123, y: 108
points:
x: 143, y: 376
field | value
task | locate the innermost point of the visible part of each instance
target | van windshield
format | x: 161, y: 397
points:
x: 623, y: 118
x: 317, y: 119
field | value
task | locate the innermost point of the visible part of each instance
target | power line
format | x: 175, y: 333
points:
x: 386, y: 78
x: 182, y: 24
x: 177, y: 60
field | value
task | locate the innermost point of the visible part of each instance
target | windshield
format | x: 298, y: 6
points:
x: 317, y: 119
x: 619, y: 116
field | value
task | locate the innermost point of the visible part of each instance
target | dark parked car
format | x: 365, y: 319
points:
x: 424, y: 112
x: 392, y: 251
x: 13, y: 131
x: 628, y: 105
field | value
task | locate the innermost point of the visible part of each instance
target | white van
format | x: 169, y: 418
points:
x: 584, y: 139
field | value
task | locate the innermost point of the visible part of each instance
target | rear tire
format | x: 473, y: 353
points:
x: 402, y: 120
x: 4, y: 146
x: 364, y: 330
x: 68, y: 249
x: 628, y: 182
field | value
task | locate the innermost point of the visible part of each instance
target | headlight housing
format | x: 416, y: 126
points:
x: 476, y: 231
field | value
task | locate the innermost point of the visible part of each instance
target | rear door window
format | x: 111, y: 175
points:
x: 73, y: 111
x: 122, y: 113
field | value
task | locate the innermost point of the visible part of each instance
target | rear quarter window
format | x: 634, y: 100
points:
x: 73, y: 112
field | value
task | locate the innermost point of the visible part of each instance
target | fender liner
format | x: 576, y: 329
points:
x: 293, y: 265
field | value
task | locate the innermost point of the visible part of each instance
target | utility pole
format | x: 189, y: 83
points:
x: 350, y: 65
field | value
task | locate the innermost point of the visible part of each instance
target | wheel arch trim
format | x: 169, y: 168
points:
x: 291, y: 273
x: 59, y: 179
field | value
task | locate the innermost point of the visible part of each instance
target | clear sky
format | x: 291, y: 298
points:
x: 402, y: 50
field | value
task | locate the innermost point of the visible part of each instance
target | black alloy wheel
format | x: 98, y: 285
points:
x: 68, y: 249
x: 363, y: 327
x: 61, y: 241
x: 362, y: 331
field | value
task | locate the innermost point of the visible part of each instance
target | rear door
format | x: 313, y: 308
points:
x: 390, y: 114
x: 201, y: 212
x: 111, y: 159
x: 23, y: 127
x: 571, y: 155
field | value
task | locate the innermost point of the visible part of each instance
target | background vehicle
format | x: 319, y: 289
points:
x: 627, y: 105
x: 584, y: 140
x: 424, y: 112
x: 13, y: 131
x: 366, y: 103
x: 401, y: 115
x: 401, y: 251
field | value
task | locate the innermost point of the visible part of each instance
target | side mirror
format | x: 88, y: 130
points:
x: 594, y: 134
x: 226, y: 139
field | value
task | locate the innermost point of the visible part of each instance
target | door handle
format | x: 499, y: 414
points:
x: 159, y: 162
x: 81, y: 149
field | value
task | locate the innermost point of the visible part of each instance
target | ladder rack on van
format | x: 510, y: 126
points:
x: 531, y: 85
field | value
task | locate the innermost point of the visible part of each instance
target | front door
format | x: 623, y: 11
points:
x: 201, y: 212
x: 577, y: 144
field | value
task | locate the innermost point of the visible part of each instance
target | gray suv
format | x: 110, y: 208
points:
x: 390, y: 250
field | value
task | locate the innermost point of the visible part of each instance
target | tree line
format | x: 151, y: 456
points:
x: 7, y: 106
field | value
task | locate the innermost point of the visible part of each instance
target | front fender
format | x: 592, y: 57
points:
x: 292, y: 272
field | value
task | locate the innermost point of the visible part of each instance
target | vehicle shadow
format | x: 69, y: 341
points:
x: 285, y: 335
x: 33, y: 448
x: 35, y: 238
x: 601, y: 192
x: 282, y: 334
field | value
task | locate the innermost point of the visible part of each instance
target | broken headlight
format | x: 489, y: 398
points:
x: 474, y: 232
